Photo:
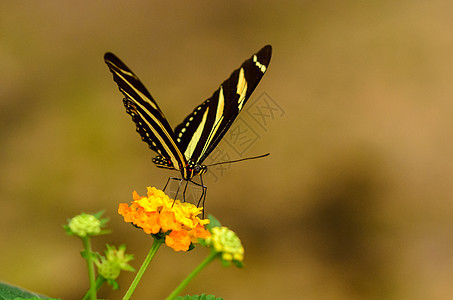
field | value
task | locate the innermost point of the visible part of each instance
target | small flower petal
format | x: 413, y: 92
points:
x: 178, y: 240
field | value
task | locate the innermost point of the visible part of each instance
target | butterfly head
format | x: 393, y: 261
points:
x: 193, y: 169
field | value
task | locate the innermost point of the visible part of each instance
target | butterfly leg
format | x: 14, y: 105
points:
x: 179, y: 186
x: 168, y: 180
x: 184, y: 192
x: 203, y: 195
x: 203, y: 192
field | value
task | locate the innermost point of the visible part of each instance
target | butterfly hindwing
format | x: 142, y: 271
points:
x: 151, y: 123
x: 202, y: 130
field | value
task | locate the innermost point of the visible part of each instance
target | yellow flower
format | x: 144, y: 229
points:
x: 226, y: 242
x: 159, y: 214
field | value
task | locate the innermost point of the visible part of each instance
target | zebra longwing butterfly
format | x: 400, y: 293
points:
x: 186, y: 147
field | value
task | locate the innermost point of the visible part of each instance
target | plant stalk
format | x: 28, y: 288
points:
x: 197, y: 270
x: 149, y: 257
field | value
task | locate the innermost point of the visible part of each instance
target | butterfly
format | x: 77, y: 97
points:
x: 189, y: 144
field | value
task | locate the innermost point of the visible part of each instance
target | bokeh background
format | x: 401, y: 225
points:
x: 355, y: 201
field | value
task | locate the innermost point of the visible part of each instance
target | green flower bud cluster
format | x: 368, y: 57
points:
x: 225, y: 241
x: 114, y: 261
x: 85, y: 225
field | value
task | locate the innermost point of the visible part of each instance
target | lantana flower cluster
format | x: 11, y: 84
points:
x: 225, y: 241
x: 85, y: 225
x: 114, y: 261
x: 158, y: 214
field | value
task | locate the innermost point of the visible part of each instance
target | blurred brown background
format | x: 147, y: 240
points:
x: 355, y: 201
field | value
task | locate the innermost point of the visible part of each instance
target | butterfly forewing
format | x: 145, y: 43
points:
x: 151, y: 123
x: 202, y: 130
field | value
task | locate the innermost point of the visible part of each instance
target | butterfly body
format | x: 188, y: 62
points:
x: 189, y: 144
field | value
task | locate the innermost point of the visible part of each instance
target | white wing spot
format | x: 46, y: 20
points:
x: 191, y: 118
x: 258, y: 64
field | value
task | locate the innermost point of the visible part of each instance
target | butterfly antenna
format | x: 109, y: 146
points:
x: 233, y: 161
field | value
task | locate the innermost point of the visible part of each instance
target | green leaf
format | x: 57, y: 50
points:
x: 198, y: 297
x: 202, y: 242
x: 225, y: 263
x: 99, y: 214
x: 191, y: 247
x: 87, y: 254
x: 113, y: 284
x: 213, y: 222
x: 67, y: 229
x: 9, y: 292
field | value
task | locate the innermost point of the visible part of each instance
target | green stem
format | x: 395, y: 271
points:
x: 89, y: 258
x: 197, y: 270
x: 99, y: 281
x: 152, y: 252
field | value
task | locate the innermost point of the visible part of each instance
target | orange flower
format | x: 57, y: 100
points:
x: 199, y: 232
x: 168, y: 221
x: 158, y: 214
x: 178, y: 240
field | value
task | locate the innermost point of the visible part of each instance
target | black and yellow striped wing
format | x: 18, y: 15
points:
x: 203, y: 129
x: 193, y: 140
x: 151, y: 123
